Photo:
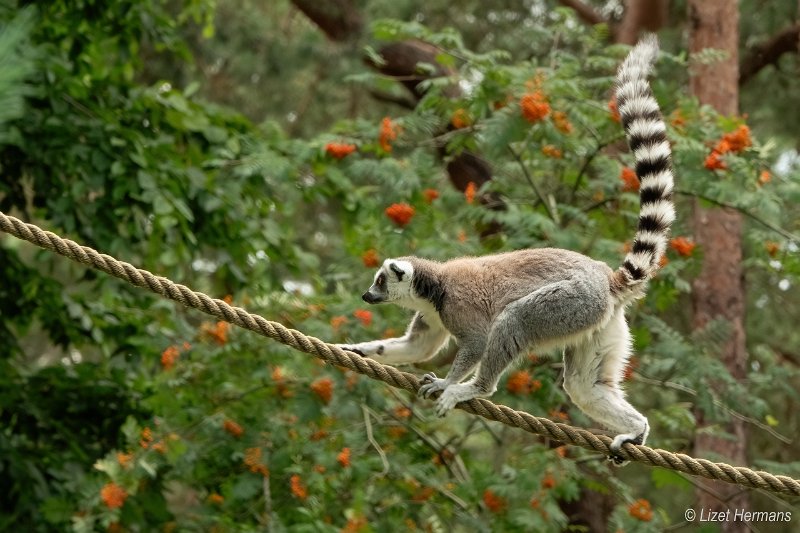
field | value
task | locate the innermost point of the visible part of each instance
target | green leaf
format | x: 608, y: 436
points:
x: 663, y: 477
x: 246, y: 487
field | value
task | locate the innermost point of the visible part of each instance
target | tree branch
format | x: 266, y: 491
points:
x: 585, y: 12
x: 750, y: 420
x: 777, y: 229
x: 401, y: 61
x: 768, y: 52
x: 382, y: 96
x: 550, y: 212
x: 340, y: 20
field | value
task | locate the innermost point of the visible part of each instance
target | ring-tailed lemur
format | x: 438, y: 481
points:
x: 496, y: 306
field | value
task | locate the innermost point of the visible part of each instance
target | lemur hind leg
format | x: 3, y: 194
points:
x: 552, y: 312
x: 592, y: 374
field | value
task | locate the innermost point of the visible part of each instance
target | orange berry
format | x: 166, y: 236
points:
x: 113, y: 495
x: 124, y: 459
x: 402, y: 412
x: 338, y: 321
x: 339, y: 150
x: 400, y: 214
x: 521, y: 382
x: 146, y: 437
x: 396, y: 431
x: 252, y: 460
x: 319, y: 434
x: 738, y: 139
x: 169, y: 356
x: 218, y: 332
x: 677, y: 119
x: 422, y: 494
x: 630, y: 181
x: 493, y: 502
x: 364, y: 316
x: 430, y: 195
x: 233, y: 428
x: 534, y: 107
x: 562, y: 122
x: 298, y: 488
x: 612, y: 108
x: 323, y: 388
x: 370, y: 258
x: 344, y: 457
x: 682, y: 245
x: 460, y: 119
x: 469, y: 192
x: 772, y: 248
x: 388, y: 133
x: 551, y: 151
x: 355, y: 524
x: 641, y: 510
x: 764, y: 177
x: 714, y: 161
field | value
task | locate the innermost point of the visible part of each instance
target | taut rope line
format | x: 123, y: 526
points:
x: 738, y: 475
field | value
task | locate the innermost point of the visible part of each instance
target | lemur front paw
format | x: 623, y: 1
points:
x: 350, y: 349
x: 616, y: 445
x: 365, y: 349
x: 430, y: 385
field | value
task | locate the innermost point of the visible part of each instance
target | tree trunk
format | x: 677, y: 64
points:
x: 718, y: 291
x: 649, y: 15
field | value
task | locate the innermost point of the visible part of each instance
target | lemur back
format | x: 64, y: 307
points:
x: 498, y: 306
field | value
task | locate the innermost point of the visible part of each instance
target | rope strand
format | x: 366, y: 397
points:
x: 738, y: 475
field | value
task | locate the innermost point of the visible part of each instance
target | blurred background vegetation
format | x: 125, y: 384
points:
x: 253, y: 150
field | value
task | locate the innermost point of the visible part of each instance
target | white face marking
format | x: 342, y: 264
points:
x: 392, y: 283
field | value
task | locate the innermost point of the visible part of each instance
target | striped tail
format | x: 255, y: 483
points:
x: 646, y: 134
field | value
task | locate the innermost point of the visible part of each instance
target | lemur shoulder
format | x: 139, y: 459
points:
x: 498, y: 306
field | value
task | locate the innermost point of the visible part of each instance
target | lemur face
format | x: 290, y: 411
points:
x: 392, y: 282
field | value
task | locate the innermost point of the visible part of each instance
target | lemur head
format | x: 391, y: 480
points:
x: 392, y: 283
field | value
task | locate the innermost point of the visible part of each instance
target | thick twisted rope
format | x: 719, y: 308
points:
x: 738, y: 475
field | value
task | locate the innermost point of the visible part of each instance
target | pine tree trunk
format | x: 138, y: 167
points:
x: 718, y: 292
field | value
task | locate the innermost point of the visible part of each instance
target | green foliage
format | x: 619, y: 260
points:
x: 121, y: 412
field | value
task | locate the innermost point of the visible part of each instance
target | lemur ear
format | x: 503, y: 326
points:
x: 397, y: 270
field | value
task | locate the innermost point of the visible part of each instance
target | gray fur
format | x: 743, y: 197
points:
x: 499, y: 306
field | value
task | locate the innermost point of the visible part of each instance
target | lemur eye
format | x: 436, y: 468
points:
x: 381, y: 279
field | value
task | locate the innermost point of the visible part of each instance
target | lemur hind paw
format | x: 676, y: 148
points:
x: 453, y: 395
x: 616, y: 445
